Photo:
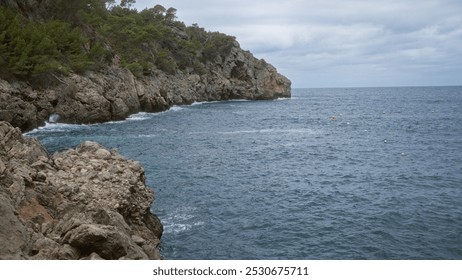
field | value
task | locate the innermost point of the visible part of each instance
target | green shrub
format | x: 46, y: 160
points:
x: 31, y: 48
x: 165, y: 61
x: 86, y: 34
x: 135, y: 68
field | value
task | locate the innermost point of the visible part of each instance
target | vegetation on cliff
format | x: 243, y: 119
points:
x: 93, y: 61
x: 75, y: 36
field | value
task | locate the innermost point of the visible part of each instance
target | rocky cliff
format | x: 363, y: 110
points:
x: 89, y: 202
x: 114, y: 93
x: 213, y: 67
x: 85, y: 203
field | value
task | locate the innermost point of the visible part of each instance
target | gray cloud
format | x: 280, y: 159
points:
x: 328, y: 43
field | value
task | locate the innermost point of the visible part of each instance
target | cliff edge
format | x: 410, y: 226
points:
x: 90, y: 62
x: 85, y: 203
x: 92, y: 66
x: 114, y: 92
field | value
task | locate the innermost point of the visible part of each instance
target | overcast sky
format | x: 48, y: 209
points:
x: 340, y: 43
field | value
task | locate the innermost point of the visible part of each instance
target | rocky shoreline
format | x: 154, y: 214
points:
x: 115, y: 93
x: 85, y: 203
x: 90, y: 202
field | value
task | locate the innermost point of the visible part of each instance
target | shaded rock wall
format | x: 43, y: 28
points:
x: 85, y: 203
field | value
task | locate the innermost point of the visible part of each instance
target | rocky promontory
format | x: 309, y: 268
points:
x: 85, y: 65
x: 85, y: 203
x: 114, y: 93
x: 89, y: 62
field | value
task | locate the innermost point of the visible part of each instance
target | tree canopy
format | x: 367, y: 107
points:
x: 85, y: 35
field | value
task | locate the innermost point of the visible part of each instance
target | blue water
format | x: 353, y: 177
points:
x: 368, y: 173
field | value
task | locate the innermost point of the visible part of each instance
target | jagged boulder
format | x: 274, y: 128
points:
x: 85, y: 203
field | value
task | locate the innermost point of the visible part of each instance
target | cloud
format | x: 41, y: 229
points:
x: 322, y: 43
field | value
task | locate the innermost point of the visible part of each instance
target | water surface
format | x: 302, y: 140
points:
x: 368, y: 173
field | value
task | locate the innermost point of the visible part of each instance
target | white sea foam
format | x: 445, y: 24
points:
x: 147, y: 135
x: 55, y: 127
x: 54, y: 118
x: 282, y: 131
x: 180, y: 227
x: 61, y: 127
x: 180, y: 220
x: 140, y: 116
x: 204, y: 102
x: 176, y: 108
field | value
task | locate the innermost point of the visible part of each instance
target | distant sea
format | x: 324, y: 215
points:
x: 345, y: 173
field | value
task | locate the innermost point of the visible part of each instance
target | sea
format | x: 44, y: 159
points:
x: 342, y: 173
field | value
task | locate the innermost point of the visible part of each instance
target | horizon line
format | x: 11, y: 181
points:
x: 345, y: 87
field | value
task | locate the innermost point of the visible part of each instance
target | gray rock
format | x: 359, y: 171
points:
x: 106, y: 241
x: 102, y: 154
x: 138, y: 239
x: 84, y: 203
x: 114, y: 94
x: 67, y: 252
x: 13, y: 236
x: 92, y: 256
x: 2, y: 167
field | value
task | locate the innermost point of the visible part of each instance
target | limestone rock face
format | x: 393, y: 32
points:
x: 114, y: 93
x: 85, y: 203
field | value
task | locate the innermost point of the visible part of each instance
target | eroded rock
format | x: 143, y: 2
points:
x: 114, y: 93
x: 85, y: 203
